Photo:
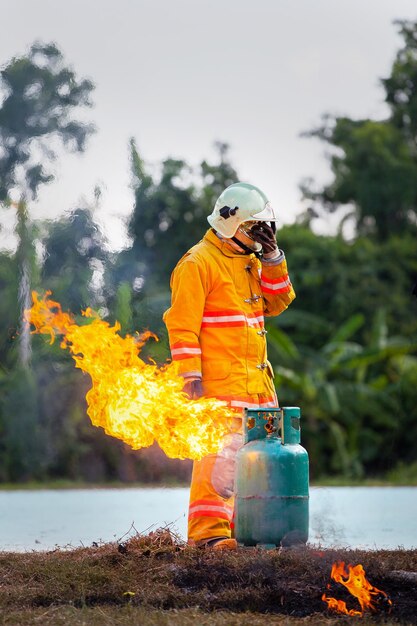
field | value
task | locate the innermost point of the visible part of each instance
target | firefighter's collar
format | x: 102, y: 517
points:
x: 224, y: 246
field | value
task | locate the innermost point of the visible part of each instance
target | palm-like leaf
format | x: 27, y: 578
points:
x: 345, y: 387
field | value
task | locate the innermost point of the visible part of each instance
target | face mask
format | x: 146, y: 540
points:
x: 243, y: 234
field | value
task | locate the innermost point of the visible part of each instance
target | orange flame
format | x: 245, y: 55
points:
x: 356, y: 583
x: 130, y: 399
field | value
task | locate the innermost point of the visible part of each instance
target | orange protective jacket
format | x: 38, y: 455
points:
x: 216, y: 319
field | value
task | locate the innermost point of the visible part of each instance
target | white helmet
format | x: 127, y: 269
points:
x: 237, y: 204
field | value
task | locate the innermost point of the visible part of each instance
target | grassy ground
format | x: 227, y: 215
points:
x: 75, y: 484
x: 399, y: 478
x: 401, y: 475
x: 139, y: 616
x: 157, y: 580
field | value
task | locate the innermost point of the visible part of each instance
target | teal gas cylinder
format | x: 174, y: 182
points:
x: 271, y: 506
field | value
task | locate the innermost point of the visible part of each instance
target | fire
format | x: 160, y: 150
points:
x: 134, y: 401
x: 356, y: 583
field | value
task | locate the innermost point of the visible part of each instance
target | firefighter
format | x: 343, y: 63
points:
x: 222, y: 289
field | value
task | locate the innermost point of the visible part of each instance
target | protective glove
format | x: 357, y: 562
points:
x: 193, y: 388
x: 264, y: 234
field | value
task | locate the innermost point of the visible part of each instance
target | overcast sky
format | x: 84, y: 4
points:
x: 180, y: 74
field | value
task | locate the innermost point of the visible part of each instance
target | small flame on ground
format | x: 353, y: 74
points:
x: 355, y: 581
x: 134, y: 401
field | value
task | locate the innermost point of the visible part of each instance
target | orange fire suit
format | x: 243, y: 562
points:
x: 216, y: 331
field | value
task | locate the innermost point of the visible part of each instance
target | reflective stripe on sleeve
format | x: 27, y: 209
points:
x: 276, y: 285
x: 183, y: 350
x: 192, y: 374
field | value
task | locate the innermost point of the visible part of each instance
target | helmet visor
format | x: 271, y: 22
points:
x: 266, y: 215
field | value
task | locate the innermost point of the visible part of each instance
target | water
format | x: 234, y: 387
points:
x: 356, y: 517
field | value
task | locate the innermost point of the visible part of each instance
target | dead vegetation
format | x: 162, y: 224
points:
x: 156, y: 579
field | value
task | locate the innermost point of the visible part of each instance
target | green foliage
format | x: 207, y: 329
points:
x: 401, y: 86
x: 74, y: 250
x: 23, y: 445
x: 123, y: 311
x: 39, y: 97
x: 335, y: 280
x: 349, y: 392
x: 375, y: 171
x: 374, y: 163
x: 169, y: 216
x: 403, y: 474
x: 341, y: 349
x: 345, y: 351
x: 215, y: 178
x: 8, y: 305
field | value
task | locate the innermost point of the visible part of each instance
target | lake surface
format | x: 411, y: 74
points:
x: 356, y: 517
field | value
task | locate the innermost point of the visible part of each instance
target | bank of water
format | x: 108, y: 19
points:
x: 356, y: 517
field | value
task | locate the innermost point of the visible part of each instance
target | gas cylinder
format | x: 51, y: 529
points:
x: 271, y: 505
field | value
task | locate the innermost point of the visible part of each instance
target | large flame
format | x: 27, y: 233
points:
x: 355, y: 581
x: 132, y: 400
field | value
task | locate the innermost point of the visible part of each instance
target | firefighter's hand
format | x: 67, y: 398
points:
x: 265, y: 235
x: 193, y: 388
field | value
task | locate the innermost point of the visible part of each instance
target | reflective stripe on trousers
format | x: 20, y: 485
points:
x: 211, y: 495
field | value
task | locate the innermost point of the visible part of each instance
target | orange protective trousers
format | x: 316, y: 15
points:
x: 211, y: 507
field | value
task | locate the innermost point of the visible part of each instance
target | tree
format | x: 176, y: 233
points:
x: 401, y: 86
x: 40, y: 95
x: 374, y: 171
x: 374, y: 163
x: 335, y: 279
x: 216, y: 177
x: 9, y: 311
x: 166, y: 214
x: 169, y: 216
x: 74, y: 251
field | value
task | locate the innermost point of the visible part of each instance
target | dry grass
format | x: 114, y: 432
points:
x: 135, y: 616
x: 156, y: 579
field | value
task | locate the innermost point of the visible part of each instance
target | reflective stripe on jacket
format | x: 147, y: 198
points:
x: 216, y: 319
